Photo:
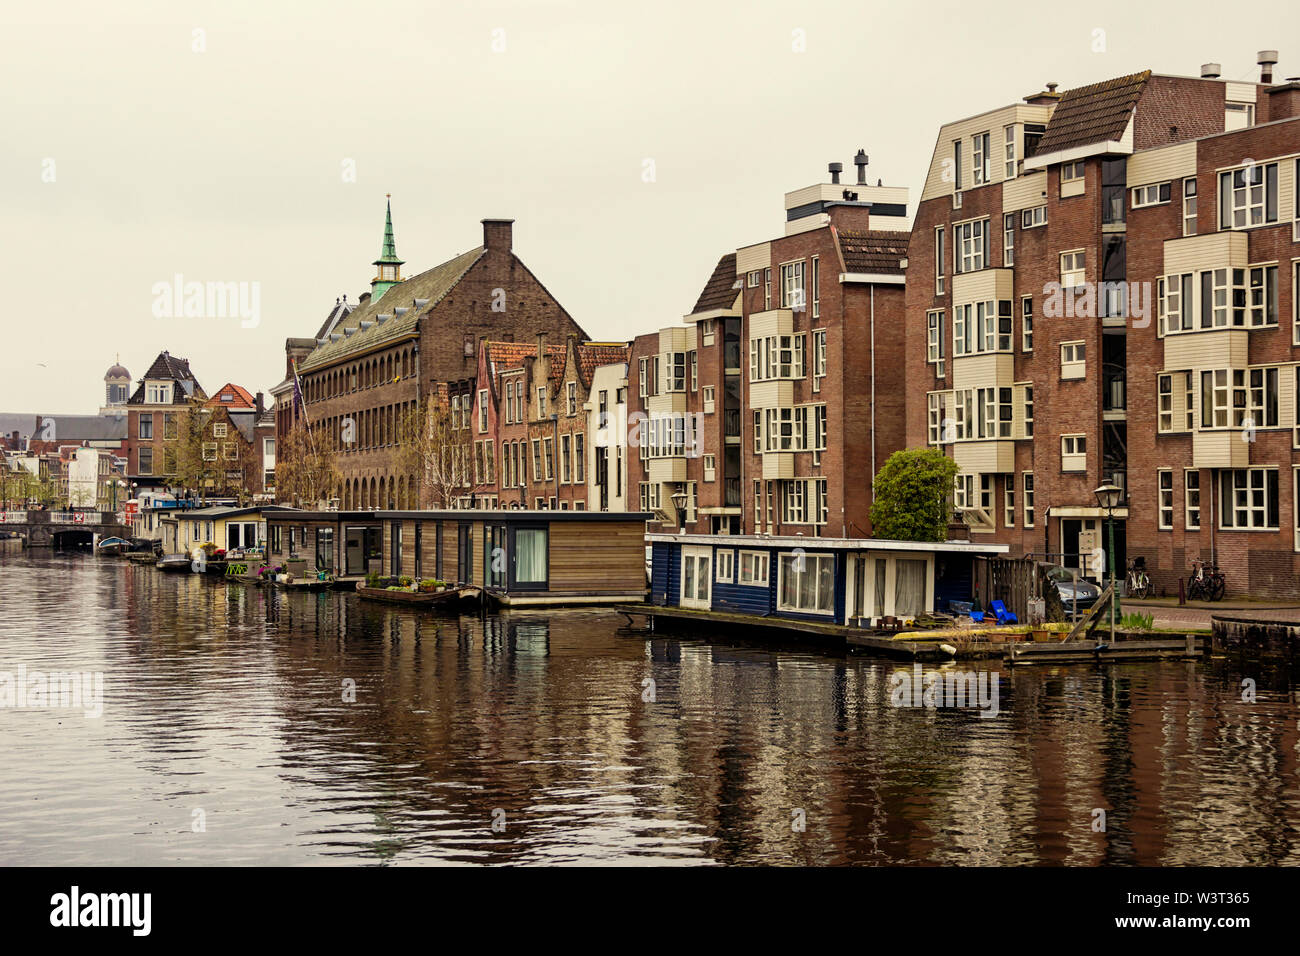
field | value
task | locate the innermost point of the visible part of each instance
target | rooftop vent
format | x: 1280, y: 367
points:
x: 860, y: 161
x: 1267, y: 60
x: 1211, y: 71
x: 835, y: 170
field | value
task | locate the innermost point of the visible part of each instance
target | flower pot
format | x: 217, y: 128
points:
x: 1041, y: 635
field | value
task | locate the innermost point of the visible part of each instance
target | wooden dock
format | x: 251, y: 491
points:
x: 937, y: 645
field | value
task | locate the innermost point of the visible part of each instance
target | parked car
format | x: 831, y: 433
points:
x: 1080, y: 596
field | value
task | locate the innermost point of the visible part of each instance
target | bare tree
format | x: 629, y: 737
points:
x: 306, y: 467
x: 435, y: 450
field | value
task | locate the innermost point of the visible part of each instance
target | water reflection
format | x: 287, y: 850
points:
x: 234, y: 702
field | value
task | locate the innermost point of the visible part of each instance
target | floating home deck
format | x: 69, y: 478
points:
x: 935, y: 645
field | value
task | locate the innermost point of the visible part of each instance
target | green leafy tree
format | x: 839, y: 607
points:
x: 913, y: 496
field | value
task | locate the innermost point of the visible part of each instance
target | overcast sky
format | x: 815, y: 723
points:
x: 136, y: 148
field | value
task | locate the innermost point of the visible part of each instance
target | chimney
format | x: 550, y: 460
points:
x: 835, y: 170
x: 1267, y: 60
x: 1046, y: 97
x: 497, y: 234
x: 1284, y: 99
x: 1211, y: 71
x: 860, y: 161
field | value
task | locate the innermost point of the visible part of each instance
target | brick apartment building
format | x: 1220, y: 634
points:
x: 790, y: 369
x: 371, y: 363
x: 156, y: 413
x: 1100, y: 290
x: 531, y: 424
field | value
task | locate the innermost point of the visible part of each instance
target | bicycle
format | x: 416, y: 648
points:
x: 1206, y: 583
x: 1136, y: 582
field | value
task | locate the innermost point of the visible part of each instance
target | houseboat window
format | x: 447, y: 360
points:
x: 726, y: 566
x: 325, y: 549
x: 909, y: 587
x: 274, y: 532
x: 395, y: 540
x: 753, y: 568
x: 530, y: 556
x: 807, y: 583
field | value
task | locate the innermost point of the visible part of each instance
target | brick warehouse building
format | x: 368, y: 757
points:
x: 811, y: 320
x: 1046, y: 376
x: 406, y: 339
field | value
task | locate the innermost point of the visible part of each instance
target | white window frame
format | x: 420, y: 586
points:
x: 1189, y: 205
x: 1009, y: 152
x: 803, y: 563
x: 1247, y: 200
x: 1074, y: 268
x: 1191, y: 488
x: 724, y: 565
x: 1027, y: 503
x: 1165, y: 499
x: 758, y: 560
x: 1249, y: 487
x: 1074, y: 360
x: 1034, y: 217
x: 1026, y: 323
x: 1152, y: 194
x: 1074, y: 452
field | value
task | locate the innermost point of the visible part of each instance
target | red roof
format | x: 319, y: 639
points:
x: 232, y: 396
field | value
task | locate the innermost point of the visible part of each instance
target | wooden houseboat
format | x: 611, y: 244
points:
x: 515, y: 557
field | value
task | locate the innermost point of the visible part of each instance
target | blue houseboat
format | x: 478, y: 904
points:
x: 857, y: 582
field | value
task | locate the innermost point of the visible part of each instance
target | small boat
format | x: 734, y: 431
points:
x: 448, y: 597
x: 302, y: 584
x: 175, y: 562
x: 112, y: 546
x: 142, y: 557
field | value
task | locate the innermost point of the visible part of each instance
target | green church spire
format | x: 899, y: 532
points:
x: 390, y: 267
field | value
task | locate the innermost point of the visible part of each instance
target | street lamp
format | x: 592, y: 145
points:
x: 1108, y: 498
x: 678, y: 498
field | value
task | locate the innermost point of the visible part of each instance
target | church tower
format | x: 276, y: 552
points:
x: 390, y: 267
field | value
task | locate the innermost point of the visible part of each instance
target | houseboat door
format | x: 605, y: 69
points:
x: 697, y: 576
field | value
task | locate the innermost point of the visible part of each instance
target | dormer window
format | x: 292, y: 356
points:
x: 158, y: 393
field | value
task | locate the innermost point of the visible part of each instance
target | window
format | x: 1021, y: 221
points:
x: 753, y: 279
x: 219, y: 430
x: 145, y: 460
x: 1073, y: 360
x: 776, y: 357
x: 1248, y: 196
x: 956, y: 165
x: 1262, y: 301
x: 483, y: 410
x: 710, y: 402
x: 571, y: 397
x: 541, y: 401
x: 935, y: 341
x: 792, y: 286
x: 767, y: 289
x: 1029, y: 411
x: 968, y: 246
x: 1248, y: 499
x: 1027, y: 324
x: 794, y: 502
x: 1238, y: 116
x: 758, y: 431
x: 1154, y: 194
x: 1165, y: 403
x: 706, y: 331
x: 1189, y: 206
x: 1072, y: 269
x: 1074, y: 453
x: 1175, y: 294
x: 807, y: 583
x: 530, y: 560
x: 650, y: 492
x: 565, y: 458
x: 710, y: 467
x: 1009, y: 239
x: 1009, y: 152
x: 1009, y: 501
x: 1223, y: 298
x: 938, y: 260
x: 230, y: 451
x: 1033, y: 217
x: 819, y: 358
x: 980, y: 158
x: 1165, y: 495
x: 695, y: 373
x: 158, y: 393
x: 146, y: 427
x: 579, y: 459
x: 1072, y: 175
x: 510, y: 402
x: 816, y: 290
x: 753, y: 567
x: 724, y: 565
x: 537, y: 460
x: 676, y: 371
x: 1191, y: 499
x: 1027, y: 480
x: 209, y: 451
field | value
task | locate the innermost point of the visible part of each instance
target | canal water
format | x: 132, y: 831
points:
x: 228, y: 736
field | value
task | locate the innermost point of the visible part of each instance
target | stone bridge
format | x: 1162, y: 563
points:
x: 46, y: 529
